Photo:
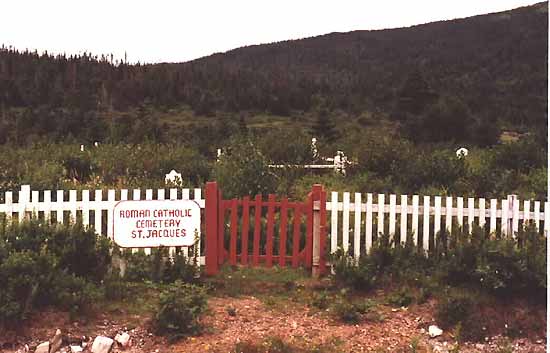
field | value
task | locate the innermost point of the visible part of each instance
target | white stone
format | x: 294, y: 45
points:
x: 76, y: 349
x: 123, y: 339
x: 102, y: 344
x: 461, y: 152
x: 434, y: 331
x: 43, y: 347
x: 173, y: 177
x: 56, y: 341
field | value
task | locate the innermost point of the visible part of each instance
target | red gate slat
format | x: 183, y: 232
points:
x: 257, y: 229
x: 309, y: 232
x: 296, y: 236
x: 282, y: 232
x: 244, y: 234
x: 270, y: 224
x: 221, y: 234
x: 234, y: 228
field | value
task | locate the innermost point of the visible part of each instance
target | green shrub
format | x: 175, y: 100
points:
x: 244, y: 170
x: 43, y: 264
x: 454, y: 308
x: 321, y: 300
x: 114, y: 286
x: 352, y: 312
x: 402, y: 297
x: 180, y: 307
x: 180, y: 268
x: 347, y: 312
x: 348, y: 273
x: 160, y: 267
x: 75, y: 294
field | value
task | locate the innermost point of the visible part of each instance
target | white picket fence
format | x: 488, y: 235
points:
x: 81, y: 204
x: 422, y: 220
x: 370, y: 218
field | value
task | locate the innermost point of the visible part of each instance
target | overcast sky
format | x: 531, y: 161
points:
x: 175, y: 31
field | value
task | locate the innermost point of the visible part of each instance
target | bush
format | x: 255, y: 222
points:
x: 43, y: 264
x: 348, y: 273
x: 180, y: 307
x: 243, y: 170
x: 453, y: 309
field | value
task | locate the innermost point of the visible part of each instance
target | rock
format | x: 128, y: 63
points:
x: 102, y: 344
x: 434, y: 331
x: 43, y: 347
x: 123, y: 339
x: 76, y: 349
x: 56, y: 341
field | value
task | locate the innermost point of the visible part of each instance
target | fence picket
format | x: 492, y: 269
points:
x: 537, y: 215
x: 437, y: 215
x: 449, y: 214
x: 357, y: 230
x: 345, y: 222
x: 98, y: 196
x: 86, y: 208
x: 504, y: 218
x: 380, y: 220
x: 546, y: 218
x: 270, y: 225
x: 296, y: 236
x: 393, y: 201
x: 415, y: 213
x: 368, y: 224
x: 426, y: 225
x: 197, y: 195
x: 244, y: 231
x: 283, y: 232
x: 173, y: 194
x: 471, y: 210
x: 24, y: 199
x: 526, y: 212
x: 257, y: 228
x: 334, y: 223
x: 404, y: 212
x: 233, y: 239
x: 515, y: 217
x: 58, y: 207
x: 47, y: 204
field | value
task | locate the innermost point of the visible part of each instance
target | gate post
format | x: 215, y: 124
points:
x: 319, y: 196
x: 211, y: 219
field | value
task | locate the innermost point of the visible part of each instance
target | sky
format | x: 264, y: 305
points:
x: 176, y: 31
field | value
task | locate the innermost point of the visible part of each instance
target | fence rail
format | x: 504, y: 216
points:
x: 423, y: 220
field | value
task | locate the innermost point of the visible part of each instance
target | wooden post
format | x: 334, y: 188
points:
x: 211, y: 219
x: 319, y: 228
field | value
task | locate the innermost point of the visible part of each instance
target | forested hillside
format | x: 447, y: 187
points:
x: 438, y: 81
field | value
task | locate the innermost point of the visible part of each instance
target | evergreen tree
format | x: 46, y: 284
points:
x: 324, y: 128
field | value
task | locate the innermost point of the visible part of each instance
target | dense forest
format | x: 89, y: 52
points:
x: 483, y: 71
x: 398, y: 102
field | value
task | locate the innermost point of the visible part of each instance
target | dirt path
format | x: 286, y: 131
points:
x: 248, y: 319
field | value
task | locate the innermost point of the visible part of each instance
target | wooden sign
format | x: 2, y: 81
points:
x: 154, y: 223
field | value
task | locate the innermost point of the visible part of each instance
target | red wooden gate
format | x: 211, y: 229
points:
x: 283, y: 232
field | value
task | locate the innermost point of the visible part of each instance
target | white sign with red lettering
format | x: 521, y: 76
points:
x: 154, y: 223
